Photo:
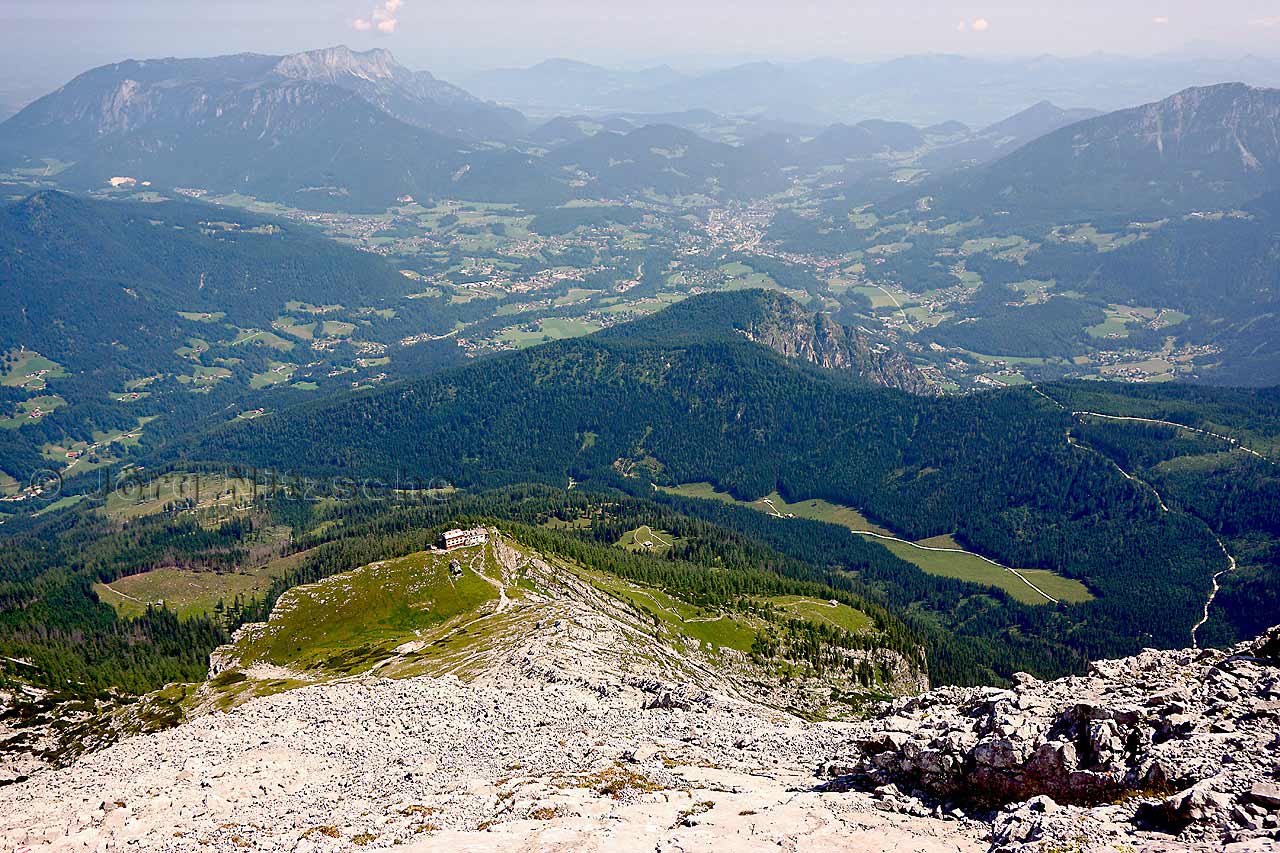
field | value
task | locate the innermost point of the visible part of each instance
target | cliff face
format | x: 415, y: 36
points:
x: 787, y: 328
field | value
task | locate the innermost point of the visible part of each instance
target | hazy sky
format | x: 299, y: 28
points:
x: 41, y: 37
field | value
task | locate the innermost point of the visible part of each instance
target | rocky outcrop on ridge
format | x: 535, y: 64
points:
x: 786, y: 327
x: 1177, y: 747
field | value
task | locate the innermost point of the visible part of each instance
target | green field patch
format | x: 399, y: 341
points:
x: 991, y: 245
x: 337, y: 329
x: 8, y: 485
x: 193, y: 350
x: 890, y: 248
x: 547, y: 329
x: 967, y: 566
x: 1034, y: 288
x: 773, y: 504
x: 1153, y: 369
x: 275, y: 374
x: 575, y: 295
x: 347, y: 623
x: 713, y: 629
x: 81, y: 456
x: 186, y: 592
x: 863, y: 220
x: 60, y: 504
x: 202, y: 316
x: 28, y: 369
x: 647, y: 305
x: 961, y: 566
x: 646, y: 540
x: 1008, y: 359
x: 832, y: 613
x: 295, y: 328
x: 1204, y: 463
x: 296, y: 307
x: 205, y: 377
x: 878, y: 297
x: 262, y: 338
x: 1088, y: 234
x: 1115, y: 326
x: 197, y: 491
x: 32, y: 411
x: 463, y: 295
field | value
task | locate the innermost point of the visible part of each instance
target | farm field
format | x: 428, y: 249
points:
x: 548, y: 329
x: 965, y: 566
x: 186, y: 592
x: 31, y: 410
x: 206, y: 491
x: 972, y: 568
x: 645, y: 539
x: 29, y: 370
x: 773, y: 504
x: 279, y: 372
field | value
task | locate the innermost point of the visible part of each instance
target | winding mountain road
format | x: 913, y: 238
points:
x: 1231, y: 560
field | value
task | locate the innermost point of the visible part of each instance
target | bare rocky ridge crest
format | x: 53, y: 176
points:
x: 581, y: 730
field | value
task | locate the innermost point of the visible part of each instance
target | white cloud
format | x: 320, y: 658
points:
x: 981, y: 25
x: 384, y: 18
x: 1160, y: 20
x: 962, y: 27
x: 1268, y: 23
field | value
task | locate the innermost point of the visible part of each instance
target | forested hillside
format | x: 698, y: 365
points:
x: 114, y: 314
x: 997, y: 472
x: 84, y: 280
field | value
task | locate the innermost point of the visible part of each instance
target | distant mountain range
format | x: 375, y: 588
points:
x: 337, y: 129
x: 923, y: 90
x: 319, y: 129
x: 1207, y: 147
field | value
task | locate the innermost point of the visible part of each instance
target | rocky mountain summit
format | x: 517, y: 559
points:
x: 564, y: 738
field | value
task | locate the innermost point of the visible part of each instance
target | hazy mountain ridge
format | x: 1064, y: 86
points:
x: 1214, y: 146
x: 317, y: 130
x: 415, y: 97
x: 923, y: 89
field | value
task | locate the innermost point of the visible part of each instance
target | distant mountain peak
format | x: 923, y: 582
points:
x: 332, y: 63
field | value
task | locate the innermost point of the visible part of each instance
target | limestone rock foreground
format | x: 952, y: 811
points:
x: 556, y: 747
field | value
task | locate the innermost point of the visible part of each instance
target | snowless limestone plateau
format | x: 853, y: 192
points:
x: 583, y: 735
